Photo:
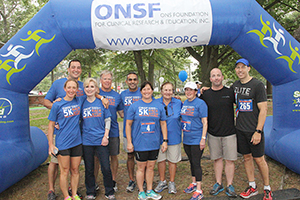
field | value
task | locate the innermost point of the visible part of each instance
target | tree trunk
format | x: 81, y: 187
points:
x: 207, y: 61
x: 151, y: 69
x: 52, y: 77
x: 139, y: 64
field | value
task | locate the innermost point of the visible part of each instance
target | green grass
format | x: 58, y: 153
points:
x: 38, y: 118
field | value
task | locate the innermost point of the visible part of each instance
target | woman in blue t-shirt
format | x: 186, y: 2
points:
x: 68, y: 138
x: 146, y: 119
x: 95, y: 134
x: 194, y: 127
x: 173, y: 154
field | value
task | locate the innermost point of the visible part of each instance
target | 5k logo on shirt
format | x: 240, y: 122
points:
x: 130, y: 100
x: 148, y: 111
x: 92, y: 112
x: 187, y: 110
x: 71, y: 111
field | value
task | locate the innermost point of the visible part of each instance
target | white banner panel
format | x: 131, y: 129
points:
x: 145, y: 24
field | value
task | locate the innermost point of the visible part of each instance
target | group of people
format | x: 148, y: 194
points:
x: 84, y: 119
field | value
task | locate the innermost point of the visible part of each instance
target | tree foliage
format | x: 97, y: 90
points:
x: 286, y: 12
x: 149, y: 64
x: 14, y: 14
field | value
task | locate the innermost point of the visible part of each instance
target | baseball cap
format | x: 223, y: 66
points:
x: 242, y: 60
x: 191, y: 85
x: 198, y: 82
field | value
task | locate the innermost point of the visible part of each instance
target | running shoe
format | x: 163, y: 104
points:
x: 76, y: 197
x: 191, y: 188
x: 68, y: 198
x: 131, y: 186
x: 111, y: 197
x: 145, y: 185
x: 51, y: 195
x: 172, y: 188
x: 197, y: 196
x: 153, y: 195
x: 90, y: 197
x: 161, y: 186
x: 142, y: 196
x: 97, y: 187
x: 217, y: 188
x: 115, y: 186
x: 249, y: 192
x: 70, y: 193
x: 268, y: 195
x: 230, y: 191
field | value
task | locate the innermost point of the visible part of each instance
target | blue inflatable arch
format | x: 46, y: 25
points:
x: 62, y: 26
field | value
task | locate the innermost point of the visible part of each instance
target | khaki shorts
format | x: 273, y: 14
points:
x: 173, y: 154
x: 53, y: 159
x: 222, y: 147
x: 125, y: 145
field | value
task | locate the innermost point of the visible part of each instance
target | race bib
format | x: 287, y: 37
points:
x: 245, y: 105
x: 148, y: 127
x: 186, y: 126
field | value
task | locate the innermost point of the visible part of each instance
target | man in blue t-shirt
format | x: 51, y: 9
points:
x: 115, y: 105
x: 57, y: 91
x: 129, y: 96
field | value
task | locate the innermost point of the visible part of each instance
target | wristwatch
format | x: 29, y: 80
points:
x: 102, y: 98
x: 165, y: 140
x: 203, y: 137
x: 107, y: 137
x: 259, y: 131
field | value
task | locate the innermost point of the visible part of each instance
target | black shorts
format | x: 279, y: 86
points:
x: 72, y: 152
x: 246, y: 147
x: 144, y: 156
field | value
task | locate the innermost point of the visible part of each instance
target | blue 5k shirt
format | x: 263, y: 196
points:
x: 93, y: 122
x: 129, y: 98
x: 57, y: 90
x: 191, y: 114
x: 67, y: 114
x: 146, y: 129
x: 115, y: 104
x: 173, y: 121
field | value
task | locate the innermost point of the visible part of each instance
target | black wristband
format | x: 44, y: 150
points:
x: 165, y: 140
x: 259, y: 131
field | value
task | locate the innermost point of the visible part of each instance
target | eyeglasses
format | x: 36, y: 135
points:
x: 166, y: 109
x: 132, y: 79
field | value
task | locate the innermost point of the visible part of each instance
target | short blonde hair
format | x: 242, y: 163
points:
x: 88, y: 80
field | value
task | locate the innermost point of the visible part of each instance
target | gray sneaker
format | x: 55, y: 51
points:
x: 90, y: 197
x: 111, y: 197
x: 145, y: 185
x: 131, y: 186
x: 115, y: 186
x: 51, y: 195
x: 161, y: 186
x: 172, y: 188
